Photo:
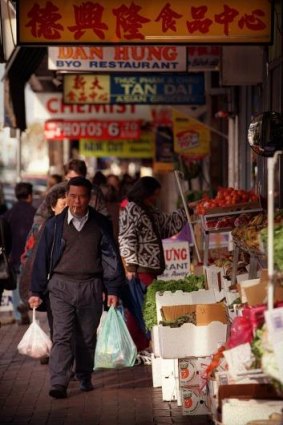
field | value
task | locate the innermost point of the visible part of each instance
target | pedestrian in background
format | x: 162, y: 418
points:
x: 76, y: 257
x: 55, y: 202
x: 20, y: 219
x: 142, y: 227
x: 5, y: 231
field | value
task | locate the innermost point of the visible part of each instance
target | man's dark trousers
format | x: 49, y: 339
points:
x: 76, y: 307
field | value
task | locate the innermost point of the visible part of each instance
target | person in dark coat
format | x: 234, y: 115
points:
x: 5, y: 231
x: 20, y: 219
x: 76, y: 257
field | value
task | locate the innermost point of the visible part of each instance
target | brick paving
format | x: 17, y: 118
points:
x: 121, y: 397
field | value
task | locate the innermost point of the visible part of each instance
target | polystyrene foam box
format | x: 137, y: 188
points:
x: 190, y: 340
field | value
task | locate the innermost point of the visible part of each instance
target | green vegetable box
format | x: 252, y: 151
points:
x: 198, y: 339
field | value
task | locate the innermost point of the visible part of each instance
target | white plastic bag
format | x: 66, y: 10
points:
x: 114, y: 347
x: 35, y: 342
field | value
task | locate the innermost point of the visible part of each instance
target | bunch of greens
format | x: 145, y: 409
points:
x: 278, y: 245
x: 188, y: 284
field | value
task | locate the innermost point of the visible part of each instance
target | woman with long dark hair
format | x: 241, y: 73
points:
x: 142, y: 227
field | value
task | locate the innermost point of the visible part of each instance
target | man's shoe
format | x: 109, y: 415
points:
x: 44, y: 360
x: 86, y: 384
x: 58, y: 391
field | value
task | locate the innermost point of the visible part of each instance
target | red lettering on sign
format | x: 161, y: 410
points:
x: 226, y: 17
x: 88, y: 16
x: 168, y: 17
x: 252, y: 21
x: 200, y: 23
x: 43, y: 21
x: 174, y: 254
x: 129, y: 22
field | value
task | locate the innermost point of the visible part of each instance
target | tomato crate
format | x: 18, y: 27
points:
x: 222, y: 219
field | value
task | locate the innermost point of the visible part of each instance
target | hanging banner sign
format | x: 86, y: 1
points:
x: 184, y: 89
x: 100, y: 130
x: 118, y: 58
x: 143, y: 21
x: 191, y: 137
x: 141, y: 148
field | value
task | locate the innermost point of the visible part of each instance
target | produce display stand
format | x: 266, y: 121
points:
x: 211, y: 222
x: 256, y: 258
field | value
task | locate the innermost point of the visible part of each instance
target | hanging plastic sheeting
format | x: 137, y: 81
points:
x: 265, y: 133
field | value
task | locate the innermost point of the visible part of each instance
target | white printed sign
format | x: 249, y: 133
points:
x: 118, y: 58
x: 177, y: 259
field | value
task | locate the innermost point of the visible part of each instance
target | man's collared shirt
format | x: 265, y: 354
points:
x: 78, y: 222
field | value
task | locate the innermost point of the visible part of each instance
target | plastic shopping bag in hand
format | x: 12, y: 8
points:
x: 35, y: 342
x: 115, y: 347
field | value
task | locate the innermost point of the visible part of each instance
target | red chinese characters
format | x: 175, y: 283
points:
x: 200, y: 23
x: 253, y: 21
x: 168, y: 18
x: 128, y: 22
x: 88, y: 16
x: 95, y: 21
x: 43, y: 21
x: 226, y: 17
x: 82, y: 92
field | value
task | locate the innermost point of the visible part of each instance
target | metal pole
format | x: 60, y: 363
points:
x: 271, y: 161
x: 177, y: 173
x: 19, y: 155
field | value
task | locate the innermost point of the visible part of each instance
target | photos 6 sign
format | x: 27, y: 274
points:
x: 143, y: 21
x: 182, y: 89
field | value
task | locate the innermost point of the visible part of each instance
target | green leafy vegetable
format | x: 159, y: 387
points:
x: 188, y: 284
x: 277, y: 244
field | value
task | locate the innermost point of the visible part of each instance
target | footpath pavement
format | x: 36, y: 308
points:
x: 120, y: 397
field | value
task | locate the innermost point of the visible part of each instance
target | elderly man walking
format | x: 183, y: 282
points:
x: 76, y: 257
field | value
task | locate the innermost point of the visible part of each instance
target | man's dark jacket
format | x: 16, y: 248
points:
x: 51, y: 247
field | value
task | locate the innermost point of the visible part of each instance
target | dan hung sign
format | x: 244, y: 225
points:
x: 54, y: 22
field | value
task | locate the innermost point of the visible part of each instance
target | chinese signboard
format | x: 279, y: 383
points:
x: 142, y: 148
x: 118, y: 58
x: 143, y: 21
x: 191, y: 137
x: 184, y: 89
x: 100, y: 130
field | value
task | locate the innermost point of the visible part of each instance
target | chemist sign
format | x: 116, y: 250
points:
x: 173, y: 89
x: 177, y: 259
x: 118, y: 58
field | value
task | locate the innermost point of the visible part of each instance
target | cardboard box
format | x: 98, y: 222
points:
x: 247, y: 392
x: 240, y: 412
x: 214, y: 277
x: 191, y: 370
x: 204, y: 313
x: 255, y: 290
x: 170, y: 380
x: 156, y: 371
x: 155, y: 341
x: 203, y: 296
x: 194, y: 402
